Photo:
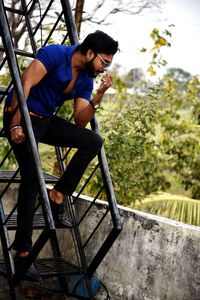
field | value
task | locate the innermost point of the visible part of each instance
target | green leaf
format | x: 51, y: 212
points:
x: 175, y: 207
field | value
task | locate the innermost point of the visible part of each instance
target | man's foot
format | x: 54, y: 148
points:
x: 32, y: 273
x: 58, y: 214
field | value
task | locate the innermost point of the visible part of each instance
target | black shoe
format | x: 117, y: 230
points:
x: 58, y: 214
x: 31, y: 274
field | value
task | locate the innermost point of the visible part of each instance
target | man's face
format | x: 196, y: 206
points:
x: 98, y: 64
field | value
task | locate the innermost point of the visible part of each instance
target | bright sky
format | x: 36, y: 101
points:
x: 133, y: 32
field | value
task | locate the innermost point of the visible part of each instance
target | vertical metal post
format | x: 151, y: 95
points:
x: 69, y: 20
x: 12, y: 62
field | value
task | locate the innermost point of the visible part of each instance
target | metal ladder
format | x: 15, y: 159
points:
x: 55, y: 266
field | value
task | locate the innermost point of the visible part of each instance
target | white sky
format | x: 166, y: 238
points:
x: 133, y: 32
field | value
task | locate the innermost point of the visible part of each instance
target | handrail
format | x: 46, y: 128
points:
x: 94, y: 124
x: 115, y: 216
x: 12, y: 62
x: 107, y: 181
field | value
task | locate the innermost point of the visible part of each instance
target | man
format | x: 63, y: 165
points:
x: 58, y: 73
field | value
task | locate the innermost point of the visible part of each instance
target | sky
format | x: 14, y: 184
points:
x: 133, y: 33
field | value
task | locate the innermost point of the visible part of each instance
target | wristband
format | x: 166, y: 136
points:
x: 15, y: 127
x: 94, y: 105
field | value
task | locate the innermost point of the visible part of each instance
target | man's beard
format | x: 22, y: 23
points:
x: 89, y: 67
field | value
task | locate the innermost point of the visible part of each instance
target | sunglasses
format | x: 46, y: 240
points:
x: 105, y: 64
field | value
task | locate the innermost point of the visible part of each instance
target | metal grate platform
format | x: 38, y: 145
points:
x: 6, y: 176
x: 50, y: 267
x: 2, y: 134
x: 38, y: 222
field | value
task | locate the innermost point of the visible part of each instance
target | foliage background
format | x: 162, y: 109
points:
x: 151, y: 137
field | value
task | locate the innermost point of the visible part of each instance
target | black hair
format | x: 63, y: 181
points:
x: 99, y: 42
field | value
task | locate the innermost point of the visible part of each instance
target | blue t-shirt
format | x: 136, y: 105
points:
x: 49, y: 92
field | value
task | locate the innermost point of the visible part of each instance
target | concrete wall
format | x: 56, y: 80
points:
x: 152, y: 259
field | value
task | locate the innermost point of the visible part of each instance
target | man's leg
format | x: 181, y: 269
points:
x: 88, y: 143
x: 28, y: 190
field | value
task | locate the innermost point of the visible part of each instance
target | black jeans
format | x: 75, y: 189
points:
x: 57, y: 132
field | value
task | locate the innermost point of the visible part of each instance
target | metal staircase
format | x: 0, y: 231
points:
x: 43, y: 23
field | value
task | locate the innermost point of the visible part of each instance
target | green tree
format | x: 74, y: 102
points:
x: 99, y: 11
x: 132, y: 150
x: 159, y: 39
x: 179, y: 75
x: 180, y: 132
x: 152, y: 145
x: 176, y: 207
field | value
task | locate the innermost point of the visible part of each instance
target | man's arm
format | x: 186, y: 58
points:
x: 83, y: 110
x: 31, y: 76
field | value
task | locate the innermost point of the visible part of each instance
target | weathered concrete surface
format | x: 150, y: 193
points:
x: 152, y: 259
x: 30, y: 290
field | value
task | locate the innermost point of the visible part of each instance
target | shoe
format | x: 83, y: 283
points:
x: 31, y: 274
x: 58, y: 214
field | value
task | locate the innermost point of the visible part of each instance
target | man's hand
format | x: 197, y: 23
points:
x: 17, y: 134
x: 83, y: 110
x: 106, y: 82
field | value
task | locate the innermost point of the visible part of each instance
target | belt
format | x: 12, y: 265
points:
x: 36, y: 115
x: 9, y: 109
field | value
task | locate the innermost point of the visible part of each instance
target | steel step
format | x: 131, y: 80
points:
x: 3, y: 91
x: 50, y: 267
x: 38, y: 222
x: 2, y: 134
x: 5, y: 176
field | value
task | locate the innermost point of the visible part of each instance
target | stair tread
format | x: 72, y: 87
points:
x: 3, y: 90
x: 38, y: 222
x: 6, y: 175
x: 2, y: 134
x: 56, y: 266
x: 50, y: 267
